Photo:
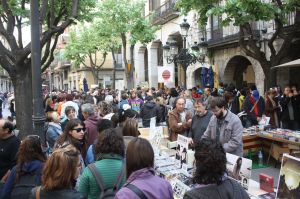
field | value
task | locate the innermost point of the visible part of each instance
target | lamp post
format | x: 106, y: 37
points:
x: 38, y: 112
x: 186, y: 56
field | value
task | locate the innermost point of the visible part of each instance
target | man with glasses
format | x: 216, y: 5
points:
x: 9, y: 145
x: 225, y: 127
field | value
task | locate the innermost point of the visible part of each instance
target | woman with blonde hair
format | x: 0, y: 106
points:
x: 59, y: 176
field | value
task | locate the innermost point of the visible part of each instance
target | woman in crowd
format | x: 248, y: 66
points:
x: 141, y: 175
x: 109, y: 154
x: 54, y: 130
x: 74, y: 134
x: 162, y: 111
x: 272, y: 108
x: 28, y: 170
x: 59, y: 175
x: 189, y: 105
x: 70, y: 113
x: 49, y: 105
x: 106, y: 110
x: 130, y: 130
x: 210, y: 175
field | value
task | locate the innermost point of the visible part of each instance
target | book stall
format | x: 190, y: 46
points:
x: 174, y: 161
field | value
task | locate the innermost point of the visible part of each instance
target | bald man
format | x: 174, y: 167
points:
x: 9, y: 145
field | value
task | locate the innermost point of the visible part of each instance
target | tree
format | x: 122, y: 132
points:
x: 89, y: 43
x: 241, y: 13
x: 123, y: 18
x: 55, y: 17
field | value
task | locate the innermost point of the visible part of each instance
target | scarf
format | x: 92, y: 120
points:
x: 255, y: 110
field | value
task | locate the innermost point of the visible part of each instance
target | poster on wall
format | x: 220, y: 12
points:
x: 289, y: 178
x: 166, y: 75
x: 239, y: 169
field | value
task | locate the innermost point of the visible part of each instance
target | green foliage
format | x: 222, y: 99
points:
x: 124, y: 17
x: 239, y: 12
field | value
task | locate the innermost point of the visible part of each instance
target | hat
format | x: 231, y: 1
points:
x: 149, y: 98
x: 255, y: 95
x: 200, y: 91
x: 109, y: 98
x: 126, y: 107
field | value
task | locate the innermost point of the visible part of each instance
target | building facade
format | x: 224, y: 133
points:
x: 229, y: 62
x: 64, y: 75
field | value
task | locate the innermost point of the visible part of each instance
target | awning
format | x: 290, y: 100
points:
x: 295, y: 63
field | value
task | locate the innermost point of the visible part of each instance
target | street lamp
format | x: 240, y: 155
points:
x: 186, y: 56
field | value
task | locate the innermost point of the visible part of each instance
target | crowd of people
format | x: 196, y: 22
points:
x: 94, y: 149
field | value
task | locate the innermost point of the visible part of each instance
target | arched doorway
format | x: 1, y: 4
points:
x: 239, y: 71
x: 197, y: 76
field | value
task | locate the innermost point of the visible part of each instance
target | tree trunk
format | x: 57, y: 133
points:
x: 131, y: 74
x: 23, y: 99
x: 114, y: 68
x: 124, y: 44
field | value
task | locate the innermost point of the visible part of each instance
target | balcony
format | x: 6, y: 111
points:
x: 219, y: 38
x: 165, y: 13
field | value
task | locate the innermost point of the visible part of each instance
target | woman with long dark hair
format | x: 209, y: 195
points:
x: 237, y: 169
x: 28, y: 170
x: 210, y: 177
x: 74, y: 133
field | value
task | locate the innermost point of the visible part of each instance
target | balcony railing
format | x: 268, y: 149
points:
x: 218, y: 37
x: 165, y: 13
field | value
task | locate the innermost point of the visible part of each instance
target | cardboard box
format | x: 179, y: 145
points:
x: 277, y: 151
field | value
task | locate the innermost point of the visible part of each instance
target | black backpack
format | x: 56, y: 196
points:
x: 108, y: 193
x: 22, y: 189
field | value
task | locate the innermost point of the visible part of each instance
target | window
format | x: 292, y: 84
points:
x: 118, y: 56
x: 154, y: 4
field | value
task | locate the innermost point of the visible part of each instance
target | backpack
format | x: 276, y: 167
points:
x: 110, y: 192
x: 22, y: 189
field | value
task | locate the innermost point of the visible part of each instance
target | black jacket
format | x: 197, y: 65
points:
x: 148, y: 111
x: 284, y: 102
x: 228, y: 189
x: 58, y: 194
x: 162, y: 113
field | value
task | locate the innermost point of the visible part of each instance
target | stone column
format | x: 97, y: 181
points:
x: 152, y: 67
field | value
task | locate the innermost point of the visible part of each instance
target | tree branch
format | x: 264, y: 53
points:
x: 19, y: 28
x: 50, y: 32
x: 51, y: 58
x: 43, y: 10
x: 10, y: 24
x: 103, y: 61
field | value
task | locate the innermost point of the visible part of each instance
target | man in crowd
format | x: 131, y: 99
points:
x: 200, y: 120
x: 180, y: 120
x: 206, y: 97
x: 91, y: 120
x: 135, y: 102
x: 226, y: 127
x: 290, y: 102
x: 9, y: 145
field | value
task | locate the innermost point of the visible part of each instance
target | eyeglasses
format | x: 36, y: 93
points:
x: 34, y: 137
x: 79, y: 129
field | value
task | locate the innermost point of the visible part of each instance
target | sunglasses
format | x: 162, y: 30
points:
x: 79, y: 129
